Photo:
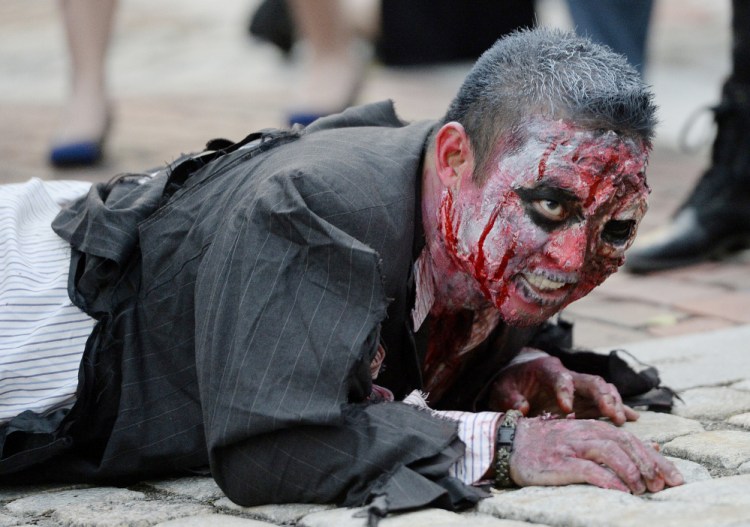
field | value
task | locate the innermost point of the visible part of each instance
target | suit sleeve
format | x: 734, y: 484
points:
x: 287, y: 316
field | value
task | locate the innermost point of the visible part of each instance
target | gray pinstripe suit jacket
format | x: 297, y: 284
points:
x: 240, y: 300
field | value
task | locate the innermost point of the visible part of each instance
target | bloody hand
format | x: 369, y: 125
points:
x: 567, y: 451
x: 544, y: 385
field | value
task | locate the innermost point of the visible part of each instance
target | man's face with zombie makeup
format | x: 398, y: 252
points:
x: 552, y: 219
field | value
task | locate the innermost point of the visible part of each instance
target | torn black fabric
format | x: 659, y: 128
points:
x: 638, y: 383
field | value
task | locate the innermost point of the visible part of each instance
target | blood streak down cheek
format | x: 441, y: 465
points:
x: 448, y: 226
x: 486, y: 249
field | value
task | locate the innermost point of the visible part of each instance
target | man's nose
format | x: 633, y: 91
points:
x: 568, y: 247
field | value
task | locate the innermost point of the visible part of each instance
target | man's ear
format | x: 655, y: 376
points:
x: 454, y: 158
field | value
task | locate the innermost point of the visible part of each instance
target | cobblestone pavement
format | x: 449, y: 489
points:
x: 183, y: 71
x: 708, y: 437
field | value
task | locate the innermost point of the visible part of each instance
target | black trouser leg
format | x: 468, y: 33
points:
x: 715, y: 219
x: 741, y: 41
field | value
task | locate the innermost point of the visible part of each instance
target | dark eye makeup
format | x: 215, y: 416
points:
x: 549, y: 207
x: 618, y: 232
x: 552, y: 207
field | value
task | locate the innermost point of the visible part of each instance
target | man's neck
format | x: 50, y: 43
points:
x: 451, y: 287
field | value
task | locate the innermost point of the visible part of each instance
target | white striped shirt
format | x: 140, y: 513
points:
x: 477, y: 430
x: 42, y: 334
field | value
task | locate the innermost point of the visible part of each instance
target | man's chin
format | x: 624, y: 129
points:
x: 524, y: 310
x: 525, y: 318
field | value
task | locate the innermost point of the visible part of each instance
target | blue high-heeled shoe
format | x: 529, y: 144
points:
x: 81, y: 153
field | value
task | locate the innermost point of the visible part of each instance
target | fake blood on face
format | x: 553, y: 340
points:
x: 477, y: 258
x: 527, y: 269
x: 446, y: 224
x: 542, y: 167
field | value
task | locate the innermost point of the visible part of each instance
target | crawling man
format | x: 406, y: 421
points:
x: 345, y: 313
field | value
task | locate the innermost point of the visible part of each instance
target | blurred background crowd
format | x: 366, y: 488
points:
x: 91, y: 88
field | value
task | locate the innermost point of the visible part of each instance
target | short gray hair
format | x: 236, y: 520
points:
x: 552, y: 73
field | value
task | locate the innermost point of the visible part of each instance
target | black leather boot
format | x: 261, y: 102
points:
x: 715, y: 219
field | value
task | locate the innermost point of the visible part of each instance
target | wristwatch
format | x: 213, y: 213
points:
x: 506, y: 432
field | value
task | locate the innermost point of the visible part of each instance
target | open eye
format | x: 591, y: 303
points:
x: 618, y: 232
x: 550, y: 209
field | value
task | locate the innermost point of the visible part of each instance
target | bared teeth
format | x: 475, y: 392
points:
x: 545, y: 284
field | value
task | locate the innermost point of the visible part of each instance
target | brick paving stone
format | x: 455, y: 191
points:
x: 13, y: 493
x: 44, y: 522
x: 691, y: 273
x: 134, y: 513
x: 213, y: 520
x: 556, y: 505
x: 590, y: 334
x: 712, y: 403
x: 716, y: 357
x: 732, y: 490
x: 690, y: 470
x: 469, y: 519
x: 284, y: 513
x: 587, y: 506
x: 422, y: 518
x: 723, y: 448
x: 742, y: 420
x: 625, y: 312
x: 677, y: 514
x: 660, y: 427
x: 656, y: 289
x: 338, y: 517
x: 689, y: 325
x: 197, y: 488
x: 731, y: 274
x: 730, y: 306
x: 50, y: 501
x: 9, y: 521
